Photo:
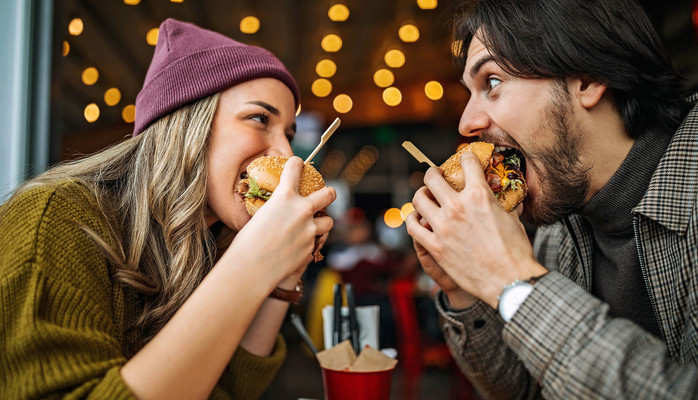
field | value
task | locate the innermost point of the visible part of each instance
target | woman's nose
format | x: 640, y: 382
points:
x: 280, y: 146
x: 474, y: 120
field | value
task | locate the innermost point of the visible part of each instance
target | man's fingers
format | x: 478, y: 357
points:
x: 472, y: 169
x: 423, y: 203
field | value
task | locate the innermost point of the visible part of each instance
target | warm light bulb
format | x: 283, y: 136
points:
x: 152, y: 36
x: 408, y: 33
x: 392, y: 96
x: 395, y: 58
x: 90, y: 76
x: 383, y: 77
x: 338, y: 13
x: 392, y: 218
x: 131, y: 2
x: 342, y: 103
x: 427, y: 4
x: 456, y: 47
x: 128, y: 114
x: 112, y: 97
x: 75, y: 27
x: 434, y: 90
x: 66, y: 48
x: 331, y: 43
x: 405, y: 210
x: 321, y: 87
x: 249, y: 25
x: 91, y: 112
x: 326, y: 68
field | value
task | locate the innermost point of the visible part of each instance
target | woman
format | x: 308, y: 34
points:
x: 137, y: 271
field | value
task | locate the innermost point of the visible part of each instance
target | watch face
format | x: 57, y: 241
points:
x: 512, y: 298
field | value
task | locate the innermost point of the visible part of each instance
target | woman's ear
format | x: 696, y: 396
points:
x: 588, y: 92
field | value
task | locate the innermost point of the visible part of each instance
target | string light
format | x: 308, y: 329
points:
x: 75, y: 27
x: 392, y: 217
x: 405, y: 210
x: 112, y: 96
x: 128, y: 114
x: 392, y: 96
x: 427, y: 4
x: 395, y: 58
x: 338, y: 13
x: 90, y: 76
x: 66, y: 48
x: 249, y: 25
x: 383, y: 78
x: 434, y: 90
x: 331, y: 43
x: 321, y: 87
x: 342, y: 103
x: 408, y: 33
x: 326, y: 68
x: 131, y: 2
x: 152, y: 36
x: 91, y: 112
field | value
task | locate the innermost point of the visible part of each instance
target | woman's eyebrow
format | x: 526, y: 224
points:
x: 267, y: 106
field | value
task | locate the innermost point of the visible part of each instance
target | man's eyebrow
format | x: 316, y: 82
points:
x: 476, y: 67
x: 267, y: 106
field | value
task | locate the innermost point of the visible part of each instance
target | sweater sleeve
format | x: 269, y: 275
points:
x: 58, y: 336
x: 247, y: 376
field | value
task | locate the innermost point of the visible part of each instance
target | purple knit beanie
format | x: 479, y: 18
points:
x: 190, y: 63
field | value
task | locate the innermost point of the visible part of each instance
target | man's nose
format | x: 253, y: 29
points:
x: 474, y: 120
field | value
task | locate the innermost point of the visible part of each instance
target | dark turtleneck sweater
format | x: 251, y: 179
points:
x: 617, y: 278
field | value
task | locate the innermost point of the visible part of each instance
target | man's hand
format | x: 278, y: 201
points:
x: 472, y: 239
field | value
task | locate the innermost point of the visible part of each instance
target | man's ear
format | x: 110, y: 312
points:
x: 588, y: 92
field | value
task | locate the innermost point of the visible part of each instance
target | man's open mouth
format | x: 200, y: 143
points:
x: 512, y: 156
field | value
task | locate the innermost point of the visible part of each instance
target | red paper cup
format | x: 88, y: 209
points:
x: 349, y: 385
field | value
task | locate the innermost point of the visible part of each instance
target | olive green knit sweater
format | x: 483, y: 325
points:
x: 65, y: 318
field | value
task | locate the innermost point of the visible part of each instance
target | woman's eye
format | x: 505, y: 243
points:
x: 492, y: 82
x: 261, y: 118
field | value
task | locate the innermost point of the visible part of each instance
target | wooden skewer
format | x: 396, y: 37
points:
x: 323, y: 138
x: 416, y: 153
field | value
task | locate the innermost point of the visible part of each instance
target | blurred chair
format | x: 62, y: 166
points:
x: 416, y: 352
x: 321, y: 296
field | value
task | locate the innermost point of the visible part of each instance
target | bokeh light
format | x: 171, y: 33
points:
x: 338, y: 13
x: 383, y: 77
x: 90, y: 76
x: 408, y: 33
x: 395, y: 58
x: 91, y: 112
x: 392, y: 96
x: 128, y: 114
x: 250, y: 25
x: 427, y: 4
x: 434, y: 90
x: 112, y: 96
x: 405, y: 210
x: 331, y: 43
x: 321, y: 87
x: 75, y: 27
x: 342, y: 103
x: 152, y: 36
x: 326, y: 68
x: 392, y: 217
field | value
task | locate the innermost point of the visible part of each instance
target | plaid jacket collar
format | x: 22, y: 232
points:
x: 672, y: 192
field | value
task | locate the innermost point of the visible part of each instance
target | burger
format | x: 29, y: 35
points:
x: 502, y: 168
x: 261, y: 179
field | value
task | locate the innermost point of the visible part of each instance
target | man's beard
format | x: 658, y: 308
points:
x: 562, y: 178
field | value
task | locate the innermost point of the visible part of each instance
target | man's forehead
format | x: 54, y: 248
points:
x: 475, y: 51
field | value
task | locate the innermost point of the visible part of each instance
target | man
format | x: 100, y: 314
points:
x: 605, y: 304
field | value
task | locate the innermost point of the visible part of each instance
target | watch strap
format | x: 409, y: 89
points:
x: 292, y: 296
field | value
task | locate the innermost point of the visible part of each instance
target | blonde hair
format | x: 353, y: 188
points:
x: 152, y: 191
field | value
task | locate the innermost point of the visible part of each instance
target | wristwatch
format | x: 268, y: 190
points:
x: 513, y: 295
x: 291, y: 296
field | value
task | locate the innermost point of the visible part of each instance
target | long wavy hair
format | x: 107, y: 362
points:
x: 152, y: 191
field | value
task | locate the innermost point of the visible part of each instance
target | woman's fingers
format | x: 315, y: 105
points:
x: 323, y: 225
x: 322, y: 198
x: 291, y: 175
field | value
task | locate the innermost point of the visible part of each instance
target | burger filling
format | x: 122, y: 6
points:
x: 504, y: 170
x: 249, y: 188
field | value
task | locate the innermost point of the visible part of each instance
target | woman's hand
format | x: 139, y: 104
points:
x: 280, y: 238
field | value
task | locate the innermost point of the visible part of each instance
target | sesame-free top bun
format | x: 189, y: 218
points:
x: 453, y: 173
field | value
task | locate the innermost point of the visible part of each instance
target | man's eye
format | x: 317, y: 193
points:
x: 492, y: 82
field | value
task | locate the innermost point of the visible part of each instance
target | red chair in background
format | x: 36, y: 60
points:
x: 415, y: 353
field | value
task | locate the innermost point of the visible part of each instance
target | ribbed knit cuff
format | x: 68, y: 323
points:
x: 247, y: 376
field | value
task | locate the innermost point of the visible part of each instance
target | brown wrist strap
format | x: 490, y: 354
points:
x: 292, y: 296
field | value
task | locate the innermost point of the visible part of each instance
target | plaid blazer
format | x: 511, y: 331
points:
x: 562, y: 343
